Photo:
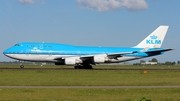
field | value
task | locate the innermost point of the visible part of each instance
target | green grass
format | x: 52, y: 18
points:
x: 41, y: 77
x: 60, y: 77
x: 89, y: 94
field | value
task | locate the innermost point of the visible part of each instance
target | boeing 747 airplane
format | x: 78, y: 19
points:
x: 82, y: 57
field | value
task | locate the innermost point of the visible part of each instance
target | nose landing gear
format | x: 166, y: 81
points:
x: 21, y: 65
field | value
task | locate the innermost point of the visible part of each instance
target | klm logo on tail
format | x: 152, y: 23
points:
x: 153, y: 40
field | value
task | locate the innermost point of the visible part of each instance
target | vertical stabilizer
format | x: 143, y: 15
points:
x: 155, y: 39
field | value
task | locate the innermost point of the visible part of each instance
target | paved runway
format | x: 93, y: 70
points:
x: 93, y: 87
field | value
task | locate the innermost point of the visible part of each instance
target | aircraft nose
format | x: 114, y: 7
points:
x: 6, y: 52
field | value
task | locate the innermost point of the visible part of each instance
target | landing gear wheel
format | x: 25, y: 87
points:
x: 89, y: 67
x: 78, y: 67
x: 86, y: 66
x: 75, y: 67
x: 21, y: 66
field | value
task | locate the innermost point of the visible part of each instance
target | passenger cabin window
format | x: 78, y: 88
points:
x: 48, y: 46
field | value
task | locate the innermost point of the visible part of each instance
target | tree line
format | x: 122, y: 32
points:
x: 154, y: 60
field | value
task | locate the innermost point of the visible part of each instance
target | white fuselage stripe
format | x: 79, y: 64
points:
x: 52, y: 58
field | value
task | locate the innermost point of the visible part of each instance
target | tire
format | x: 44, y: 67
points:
x: 87, y: 67
x: 75, y: 67
x: 21, y: 66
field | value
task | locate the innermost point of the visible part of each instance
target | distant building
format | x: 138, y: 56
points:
x: 149, y: 63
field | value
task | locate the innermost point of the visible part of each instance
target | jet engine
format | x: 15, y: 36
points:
x: 72, y: 61
x: 69, y: 61
x: 100, y: 58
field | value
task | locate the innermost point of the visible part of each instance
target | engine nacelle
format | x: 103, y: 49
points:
x: 72, y: 61
x: 100, y: 58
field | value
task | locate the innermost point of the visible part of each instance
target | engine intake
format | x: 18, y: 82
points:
x: 100, y: 58
x: 72, y: 61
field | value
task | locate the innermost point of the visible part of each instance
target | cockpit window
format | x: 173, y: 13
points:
x: 16, y: 45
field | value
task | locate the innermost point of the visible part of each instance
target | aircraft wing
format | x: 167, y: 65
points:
x: 110, y: 55
x: 89, y: 58
x: 85, y: 57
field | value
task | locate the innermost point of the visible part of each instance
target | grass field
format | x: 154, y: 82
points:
x: 89, y: 94
x: 42, y: 77
x: 70, y: 77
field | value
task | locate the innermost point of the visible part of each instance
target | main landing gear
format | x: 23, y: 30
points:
x: 83, y: 66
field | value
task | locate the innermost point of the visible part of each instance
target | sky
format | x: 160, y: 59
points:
x: 114, y: 23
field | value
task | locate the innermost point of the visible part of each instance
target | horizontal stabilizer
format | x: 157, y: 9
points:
x: 161, y: 50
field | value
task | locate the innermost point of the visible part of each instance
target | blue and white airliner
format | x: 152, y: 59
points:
x: 85, y: 56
